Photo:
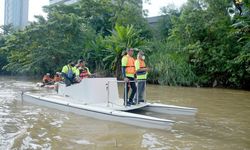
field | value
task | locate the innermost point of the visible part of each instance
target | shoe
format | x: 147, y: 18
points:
x: 128, y: 104
x: 131, y: 102
x: 141, y: 101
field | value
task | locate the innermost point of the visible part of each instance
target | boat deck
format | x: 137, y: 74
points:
x: 110, y: 105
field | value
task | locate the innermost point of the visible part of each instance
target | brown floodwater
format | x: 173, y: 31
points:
x: 222, y: 122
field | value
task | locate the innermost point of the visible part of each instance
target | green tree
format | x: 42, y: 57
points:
x: 206, y: 42
x: 240, y: 65
x: 102, y: 15
x: 169, y: 65
x: 94, y: 54
x: 121, y: 39
x: 46, y: 45
x: 7, y: 29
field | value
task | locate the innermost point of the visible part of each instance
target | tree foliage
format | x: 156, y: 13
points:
x: 47, y: 44
x: 121, y: 39
x: 169, y: 65
x: 68, y: 32
x: 200, y: 43
x: 204, y: 30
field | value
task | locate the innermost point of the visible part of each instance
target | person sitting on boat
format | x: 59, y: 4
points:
x: 128, y: 73
x: 141, y: 75
x: 83, y: 70
x: 47, y: 80
x: 57, y: 77
x: 68, y: 73
x: 79, y: 63
x: 84, y: 73
x: 76, y: 71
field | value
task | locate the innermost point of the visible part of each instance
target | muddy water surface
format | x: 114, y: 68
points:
x: 222, y: 122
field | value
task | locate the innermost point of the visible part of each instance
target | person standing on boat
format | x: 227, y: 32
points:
x: 141, y: 75
x: 68, y: 73
x: 128, y: 73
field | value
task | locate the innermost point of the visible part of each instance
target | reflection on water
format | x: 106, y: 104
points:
x: 222, y: 122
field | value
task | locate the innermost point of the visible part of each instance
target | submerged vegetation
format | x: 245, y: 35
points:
x: 198, y: 44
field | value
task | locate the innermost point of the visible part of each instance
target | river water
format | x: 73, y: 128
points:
x: 222, y: 122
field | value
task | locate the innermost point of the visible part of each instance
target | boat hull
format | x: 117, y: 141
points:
x: 170, y: 109
x: 100, y: 113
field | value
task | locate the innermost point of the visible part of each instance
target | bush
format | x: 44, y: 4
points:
x: 170, y: 67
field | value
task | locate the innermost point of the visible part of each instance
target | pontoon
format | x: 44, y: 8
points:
x: 99, y: 98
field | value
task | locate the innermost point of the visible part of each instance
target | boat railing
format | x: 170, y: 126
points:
x: 125, y: 94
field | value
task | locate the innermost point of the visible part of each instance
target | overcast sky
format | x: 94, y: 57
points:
x: 35, y: 7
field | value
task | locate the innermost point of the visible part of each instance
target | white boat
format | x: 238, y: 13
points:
x: 99, y: 98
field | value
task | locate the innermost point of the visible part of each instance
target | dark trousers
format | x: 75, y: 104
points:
x: 141, y: 88
x: 133, y: 87
x: 68, y: 81
x: 238, y: 6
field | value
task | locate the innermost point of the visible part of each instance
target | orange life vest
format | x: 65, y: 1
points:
x: 46, y: 78
x: 57, y: 78
x: 130, y: 67
x: 142, y: 65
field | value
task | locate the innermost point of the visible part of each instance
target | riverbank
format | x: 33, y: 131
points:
x: 38, y: 78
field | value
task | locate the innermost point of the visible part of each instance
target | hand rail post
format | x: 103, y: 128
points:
x: 125, y: 93
x: 145, y: 92
x: 107, y: 88
x: 137, y: 91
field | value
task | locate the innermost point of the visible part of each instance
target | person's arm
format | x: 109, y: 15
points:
x: 137, y: 67
x: 44, y: 78
x: 50, y: 79
x: 55, y: 78
x: 142, y: 69
x: 76, y: 71
x: 123, y: 72
x: 88, y: 71
x: 124, y: 64
x: 65, y: 69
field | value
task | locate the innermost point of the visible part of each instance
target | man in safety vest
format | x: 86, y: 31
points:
x: 128, y: 73
x: 141, y: 75
x: 68, y: 73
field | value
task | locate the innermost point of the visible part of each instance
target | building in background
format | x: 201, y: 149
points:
x: 16, y: 13
x: 153, y: 21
